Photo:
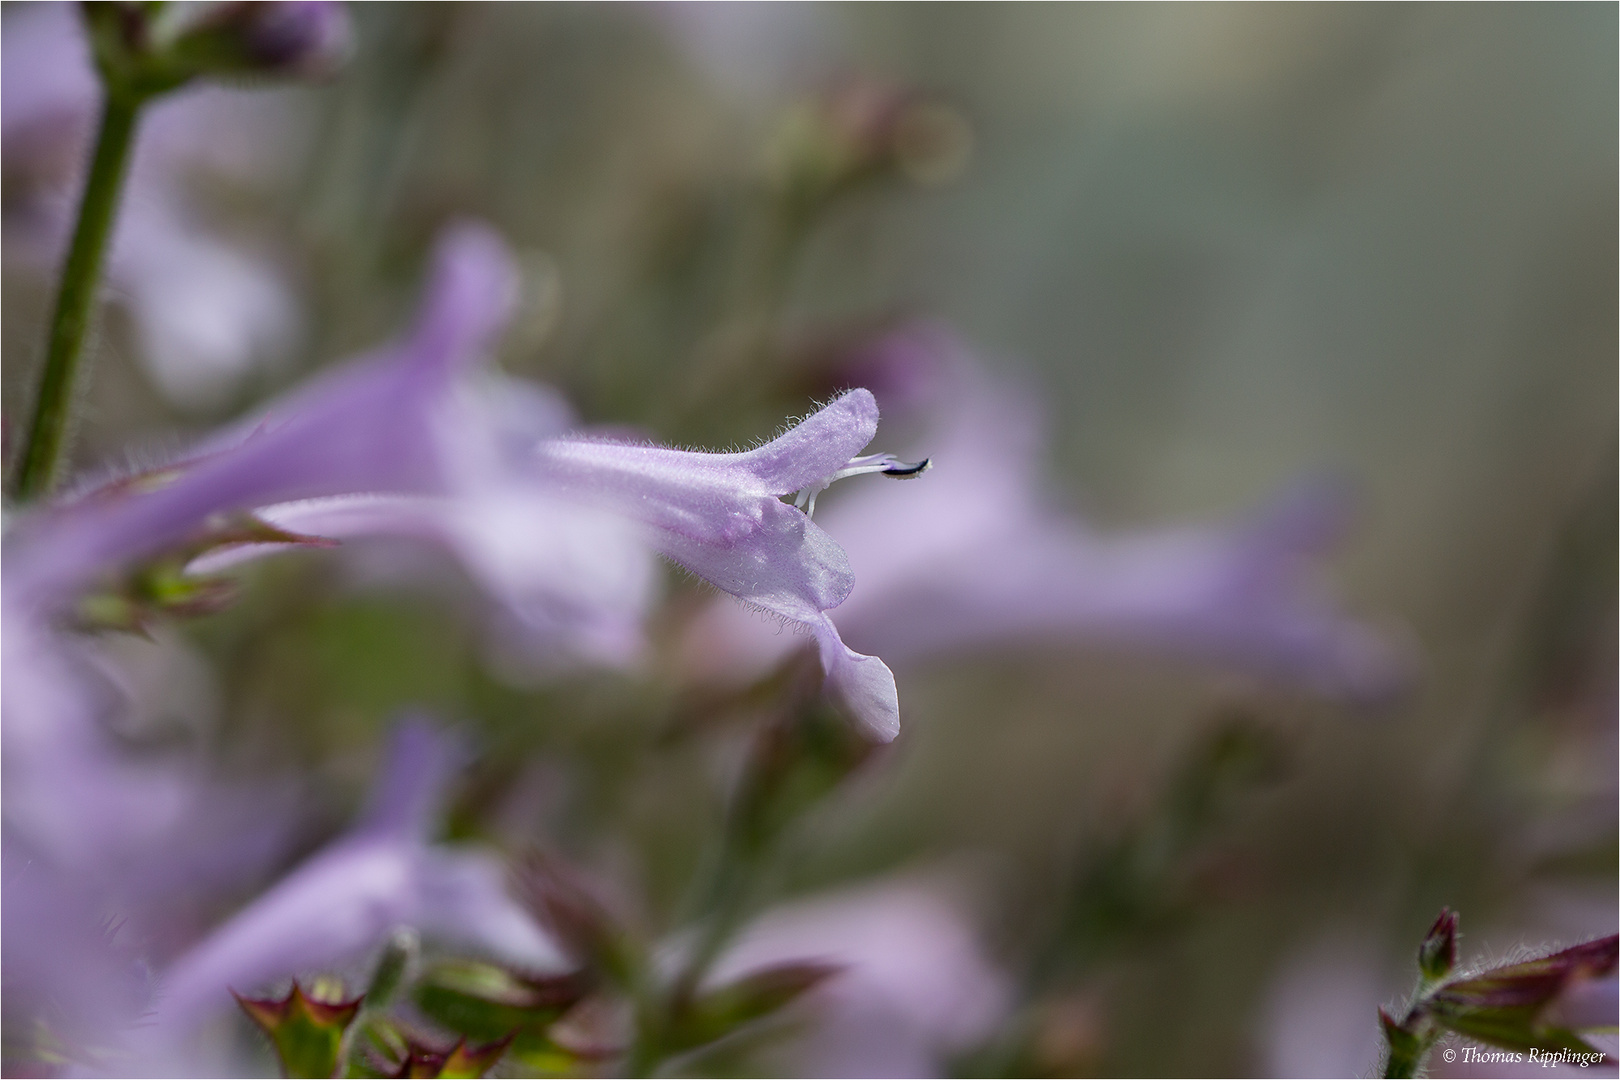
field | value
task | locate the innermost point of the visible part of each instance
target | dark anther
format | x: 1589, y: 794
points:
x: 904, y: 471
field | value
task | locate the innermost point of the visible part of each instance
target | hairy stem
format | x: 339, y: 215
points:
x: 75, y: 299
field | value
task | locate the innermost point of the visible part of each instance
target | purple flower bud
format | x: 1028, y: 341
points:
x: 310, y: 38
x: 299, y: 38
x: 1438, y: 953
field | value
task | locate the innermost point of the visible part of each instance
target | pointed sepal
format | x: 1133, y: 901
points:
x: 716, y: 1013
x: 487, y: 1003
x: 307, y: 1032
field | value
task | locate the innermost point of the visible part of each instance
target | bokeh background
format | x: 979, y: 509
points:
x: 1226, y: 245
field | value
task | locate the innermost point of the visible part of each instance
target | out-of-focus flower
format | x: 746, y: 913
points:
x: 108, y: 855
x: 89, y: 819
x: 1318, y: 1016
x: 721, y: 517
x: 571, y: 580
x: 72, y: 795
x: 207, y: 311
x: 65, y: 966
x: 405, y: 443
x: 379, y: 424
x: 911, y: 984
x: 342, y: 903
x: 301, y: 38
x: 121, y: 826
x: 978, y: 555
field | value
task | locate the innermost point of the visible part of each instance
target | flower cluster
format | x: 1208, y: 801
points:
x: 145, y: 885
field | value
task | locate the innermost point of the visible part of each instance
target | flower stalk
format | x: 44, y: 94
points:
x: 75, y: 298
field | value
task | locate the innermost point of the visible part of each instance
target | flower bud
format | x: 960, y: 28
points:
x: 1517, y: 1006
x: 392, y: 968
x: 143, y: 50
x: 296, y: 38
x: 1438, y: 953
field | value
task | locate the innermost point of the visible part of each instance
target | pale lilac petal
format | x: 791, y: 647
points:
x: 864, y: 685
x: 573, y: 579
x: 719, y: 515
x: 61, y: 962
x: 915, y: 985
x: 46, y: 78
x: 207, y: 314
x: 374, y: 425
x: 816, y: 447
x: 774, y: 557
x: 343, y: 902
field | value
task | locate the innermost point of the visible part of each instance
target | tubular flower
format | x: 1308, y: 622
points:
x: 722, y: 517
x: 375, y: 425
x: 383, y: 874
x: 989, y: 558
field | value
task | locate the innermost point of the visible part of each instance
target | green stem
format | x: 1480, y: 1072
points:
x: 75, y: 301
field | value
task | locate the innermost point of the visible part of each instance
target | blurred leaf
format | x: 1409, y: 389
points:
x: 1134, y: 885
x: 569, y: 907
x: 794, y: 762
x: 719, y: 1012
x: 488, y: 1003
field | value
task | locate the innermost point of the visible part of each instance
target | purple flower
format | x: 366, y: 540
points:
x: 912, y: 985
x: 308, y: 38
x: 342, y: 902
x: 978, y: 555
x: 387, y: 423
x: 571, y: 580
x: 721, y: 517
x: 69, y: 790
x: 120, y: 826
